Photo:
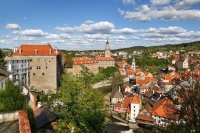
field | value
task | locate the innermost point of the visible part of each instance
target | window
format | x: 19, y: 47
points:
x: 33, y: 74
x: 42, y: 73
x: 38, y: 60
x: 46, y: 67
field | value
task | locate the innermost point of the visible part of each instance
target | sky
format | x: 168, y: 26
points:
x: 87, y: 24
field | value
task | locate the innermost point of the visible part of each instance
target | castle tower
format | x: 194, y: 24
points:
x: 133, y: 63
x: 107, y: 49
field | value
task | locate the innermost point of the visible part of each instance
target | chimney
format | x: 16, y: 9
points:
x: 36, y: 51
x: 119, y: 89
x: 50, y: 51
x: 56, y: 50
x: 20, y: 51
x: 15, y: 49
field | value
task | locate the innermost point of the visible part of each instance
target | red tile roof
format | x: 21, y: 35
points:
x: 36, y: 50
x: 135, y: 99
x: 163, y: 108
x: 105, y: 58
x: 84, y: 60
x: 127, y: 101
x: 145, y: 117
x: 24, y: 125
x: 138, y: 81
x: 157, y: 89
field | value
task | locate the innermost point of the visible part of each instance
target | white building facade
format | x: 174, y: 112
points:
x: 20, y: 69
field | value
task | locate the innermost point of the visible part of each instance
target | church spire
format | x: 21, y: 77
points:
x: 107, y: 49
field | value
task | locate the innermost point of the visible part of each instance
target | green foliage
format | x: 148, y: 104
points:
x: 108, y: 71
x: 117, y: 80
x: 13, y: 100
x: 82, y: 106
x: 146, y: 62
x: 2, y: 62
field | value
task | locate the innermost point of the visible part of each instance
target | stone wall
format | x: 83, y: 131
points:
x: 8, y: 116
x: 43, y: 74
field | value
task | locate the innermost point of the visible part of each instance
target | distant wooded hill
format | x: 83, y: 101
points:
x: 186, y: 46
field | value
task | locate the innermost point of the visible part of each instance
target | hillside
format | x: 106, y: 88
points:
x: 186, y: 46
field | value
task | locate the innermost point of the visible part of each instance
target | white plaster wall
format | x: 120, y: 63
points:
x: 5, y: 117
x: 134, y: 110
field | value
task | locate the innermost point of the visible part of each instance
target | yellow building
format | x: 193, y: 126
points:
x: 90, y: 63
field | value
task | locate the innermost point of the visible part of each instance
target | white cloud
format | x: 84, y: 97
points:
x: 128, y: 2
x: 118, y: 37
x: 89, y: 22
x: 168, y: 13
x: 152, y: 35
x: 102, y: 27
x: 95, y: 36
x: 4, y: 41
x: 160, y: 2
x: 185, y: 4
x: 13, y: 27
x: 33, y: 32
x: 134, y: 38
x: 124, y: 31
x: 64, y: 29
x: 24, y: 38
x: 168, y: 30
x: 65, y: 36
x: 164, y: 10
x: 52, y: 36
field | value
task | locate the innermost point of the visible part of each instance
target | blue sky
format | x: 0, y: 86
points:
x: 86, y: 24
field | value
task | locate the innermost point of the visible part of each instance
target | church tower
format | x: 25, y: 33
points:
x: 133, y: 64
x: 107, y: 49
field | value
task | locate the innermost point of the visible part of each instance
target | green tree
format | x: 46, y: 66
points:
x: 2, y: 62
x: 82, y: 111
x: 13, y: 100
x: 117, y: 80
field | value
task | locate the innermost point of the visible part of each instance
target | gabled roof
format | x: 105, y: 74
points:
x: 156, y: 88
x: 4, y: 73
x: 138, y: 81
x: 135, y: 99
x: 163, y: 108
x: 99, y: 58
x: 16, y: 58
x: 144, y: 115
x: 44, y: 116
x: 36, y: 50
x: 83, y: 60
x: 148, y: 94
x: 127, y: 101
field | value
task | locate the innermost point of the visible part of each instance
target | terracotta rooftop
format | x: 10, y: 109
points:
x: 36, y: 50
x: 84, y: 60
x: 145, y: 117
x: 24, y: 125
x: 99, y: 58
x: 163, y: 108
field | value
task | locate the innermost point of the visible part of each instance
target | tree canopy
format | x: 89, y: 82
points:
x: 82, y: 110
x: 13, y: 100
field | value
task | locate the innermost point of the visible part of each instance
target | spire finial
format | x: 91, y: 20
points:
x: 107, y: 41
